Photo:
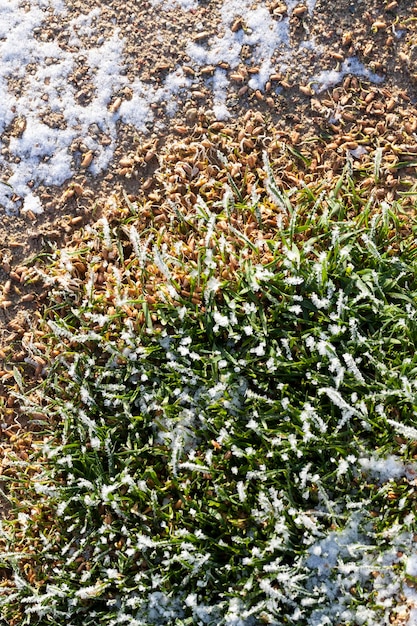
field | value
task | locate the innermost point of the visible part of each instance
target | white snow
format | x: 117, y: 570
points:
x: 186, y: 5
x: 351, y: 65
x: 264, y: 34
x: 32, y: 203
x: 385, y: 468
x: 41, y: 154
x: 411, y: 565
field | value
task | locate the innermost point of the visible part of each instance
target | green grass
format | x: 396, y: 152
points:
x: 243, y: 454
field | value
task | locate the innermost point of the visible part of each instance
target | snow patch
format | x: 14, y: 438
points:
x: 185, y: 5
x: 329, y: 78
x: 383, y: 469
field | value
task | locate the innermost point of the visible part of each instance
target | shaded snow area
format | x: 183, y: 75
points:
x: 353, y: 557
x: 36, y: 86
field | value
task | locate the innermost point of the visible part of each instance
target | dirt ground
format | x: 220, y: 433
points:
x: 352, y: 115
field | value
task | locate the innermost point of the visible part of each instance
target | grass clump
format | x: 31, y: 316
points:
x: 239, y: 453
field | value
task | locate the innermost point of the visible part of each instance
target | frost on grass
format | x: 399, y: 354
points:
x: 243, y: 462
